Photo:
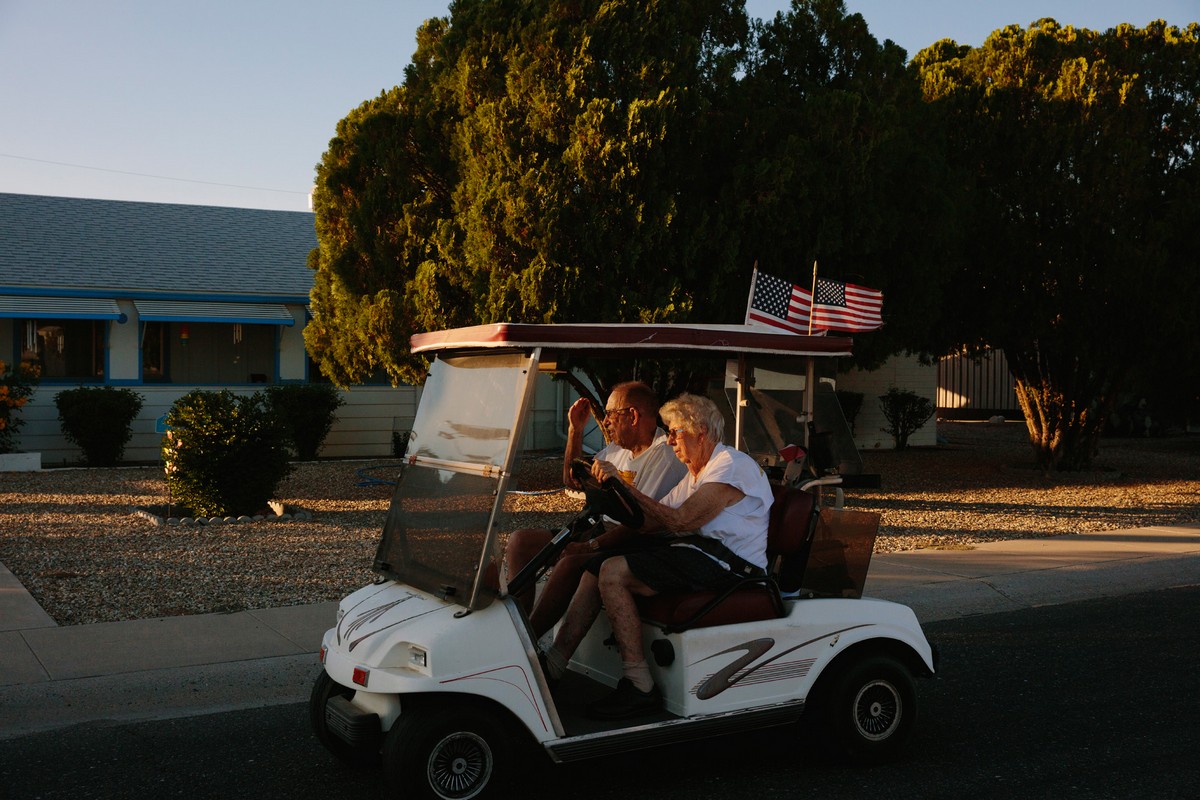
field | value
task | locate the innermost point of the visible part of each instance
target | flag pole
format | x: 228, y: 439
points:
x: 750, y: 299
x: 812, y: 298
x: 741, y: 369
x: 810, y: 371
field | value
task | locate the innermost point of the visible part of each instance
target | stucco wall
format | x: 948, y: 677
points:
x: 901, y: 372
x: 123, y: 363
x: 293, y: 359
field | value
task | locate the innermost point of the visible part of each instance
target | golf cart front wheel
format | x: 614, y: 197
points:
x: 444, y: 754
x: 872, y: 708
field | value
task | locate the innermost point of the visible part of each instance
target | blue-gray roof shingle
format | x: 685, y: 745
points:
x: 64, y: 246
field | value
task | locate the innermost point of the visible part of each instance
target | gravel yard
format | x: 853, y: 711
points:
x: 71, y: 537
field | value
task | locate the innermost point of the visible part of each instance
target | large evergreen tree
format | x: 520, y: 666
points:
x: 1079, y: 150
x: 554, y: 161
x: 533, y: 167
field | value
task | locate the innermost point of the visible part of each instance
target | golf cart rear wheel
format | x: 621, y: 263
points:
x: 444, y: 753
x: 871, y: 709
x: 323, y: 689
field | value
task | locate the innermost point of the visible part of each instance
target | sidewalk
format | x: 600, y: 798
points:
x: 1027, y: 573
x: 52, y: 677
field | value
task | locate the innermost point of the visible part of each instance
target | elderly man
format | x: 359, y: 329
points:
x: 638, y: 451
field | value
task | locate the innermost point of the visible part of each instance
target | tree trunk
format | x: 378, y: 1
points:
x: 1065, y: 402
x: 1064, y: 432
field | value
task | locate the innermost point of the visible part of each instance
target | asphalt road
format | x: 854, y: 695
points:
x: 1095, y: 699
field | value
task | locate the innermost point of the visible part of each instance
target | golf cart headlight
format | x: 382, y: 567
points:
x: 417, y: 657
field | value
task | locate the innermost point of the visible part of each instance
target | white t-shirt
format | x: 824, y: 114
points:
x: 653, y: 472
x: 742, y: 527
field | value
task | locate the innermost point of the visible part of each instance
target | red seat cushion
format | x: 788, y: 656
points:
x: 747, y: 604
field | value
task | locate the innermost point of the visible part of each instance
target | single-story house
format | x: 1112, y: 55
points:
x: 164, y: 299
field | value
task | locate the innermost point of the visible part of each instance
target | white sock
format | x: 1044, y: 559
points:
x: 556, y: 663
x: 638, y: 674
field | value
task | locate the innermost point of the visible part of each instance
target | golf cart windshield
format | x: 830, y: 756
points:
x: 439, y: 533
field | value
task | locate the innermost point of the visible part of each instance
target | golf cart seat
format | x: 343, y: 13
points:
x: 752, y: 598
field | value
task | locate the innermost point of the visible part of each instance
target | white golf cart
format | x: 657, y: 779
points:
x: 434, y: 666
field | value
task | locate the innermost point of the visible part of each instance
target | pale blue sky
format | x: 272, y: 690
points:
x: 232, y: 102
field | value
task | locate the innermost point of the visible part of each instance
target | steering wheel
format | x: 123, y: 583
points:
x: 611, y: 497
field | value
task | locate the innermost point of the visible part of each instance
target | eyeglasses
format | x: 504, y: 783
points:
x: 675, y: 433
x: 614, y: 411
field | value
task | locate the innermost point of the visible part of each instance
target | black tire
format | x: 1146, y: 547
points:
x: 445, y: 751
x: 871, y: 709
x: 323, y: 689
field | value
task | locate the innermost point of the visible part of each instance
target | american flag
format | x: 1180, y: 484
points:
x: 840, y: 306
x: 777, y: 303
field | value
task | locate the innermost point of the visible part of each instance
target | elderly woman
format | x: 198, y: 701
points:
x: 718, y: 514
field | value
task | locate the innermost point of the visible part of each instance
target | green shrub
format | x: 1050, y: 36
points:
x: 98, y: 420
x: 905, y: 412
x: 225, y: 455
x: 307, y: 412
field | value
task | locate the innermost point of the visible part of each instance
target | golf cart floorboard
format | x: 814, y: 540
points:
x: 576, y: 692
x: 588, y: 738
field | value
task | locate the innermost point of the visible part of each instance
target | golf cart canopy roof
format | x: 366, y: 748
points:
x: 730, y: 339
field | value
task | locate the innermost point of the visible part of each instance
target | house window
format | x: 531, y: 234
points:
x: 64, y: 349
x: 154, y: 362
x: 214, y: 353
